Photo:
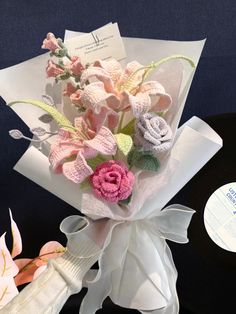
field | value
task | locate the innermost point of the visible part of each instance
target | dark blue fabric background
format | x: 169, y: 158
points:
x: 24, y: 24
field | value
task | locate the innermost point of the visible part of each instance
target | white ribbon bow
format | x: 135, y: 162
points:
x: 136, y: 269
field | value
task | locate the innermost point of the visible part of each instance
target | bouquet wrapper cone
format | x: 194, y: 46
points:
x: 125, y: 273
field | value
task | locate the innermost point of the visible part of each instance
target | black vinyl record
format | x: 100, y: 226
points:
x: 207, y: 273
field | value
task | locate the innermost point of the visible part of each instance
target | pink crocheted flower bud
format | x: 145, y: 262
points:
x: 112, y: 181
x: 69, y: 90
x: 53, y: 69
x: 153, y: 133
x: 75, y: 97
x: 50, y: 42
x: 76, y: 66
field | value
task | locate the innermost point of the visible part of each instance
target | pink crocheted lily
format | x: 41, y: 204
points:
x: 122, y: 89
x: 69, y: 154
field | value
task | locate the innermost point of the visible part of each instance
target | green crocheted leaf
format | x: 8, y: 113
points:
x: 126, y: 201
x: 143, y: 160
x: 135, y: 154
x: 94, y: 162
x: 85, y: 185
x: 147, y: 162
x: 129, y: 128
x: 61, y: 120
x: 124, y: 143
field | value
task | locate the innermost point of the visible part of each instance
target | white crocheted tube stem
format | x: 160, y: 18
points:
x: 48, y: 293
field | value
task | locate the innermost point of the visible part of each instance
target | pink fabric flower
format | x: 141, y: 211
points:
x: 73, y: 93
x: 122, y: 89
x: 53, y: 69
x: 106, y: 117
x: 68, y: 155
x: 112, y: 181
x: 70, y: 89
x: 76, y: 66
x: 50, y: 42
x: 75, y: 98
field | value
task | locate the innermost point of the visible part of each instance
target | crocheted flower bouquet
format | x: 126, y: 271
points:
x: 115, y: 154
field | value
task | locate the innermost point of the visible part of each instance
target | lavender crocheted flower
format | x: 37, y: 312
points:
x: 153, y: 133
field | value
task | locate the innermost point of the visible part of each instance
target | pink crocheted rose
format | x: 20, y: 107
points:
x: 53, y: 69
x: 112, y: 181
x: 50, y: 42
x: 153, y: 133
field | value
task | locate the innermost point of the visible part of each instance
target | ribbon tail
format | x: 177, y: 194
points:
x: 114, y: 250
x: 172, y: 223
x: 173, y: 304
x: 97, y: 293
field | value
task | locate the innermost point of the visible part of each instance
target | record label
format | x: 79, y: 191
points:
x: 220, y: 217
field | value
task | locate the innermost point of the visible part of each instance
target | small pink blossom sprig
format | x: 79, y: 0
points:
x: 67, y: 67
x: 55, y: 46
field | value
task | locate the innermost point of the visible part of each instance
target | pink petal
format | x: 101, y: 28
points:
x: 77, y: 170
x: 39, y: 271
x: 53, y: 247
x: 104, y: 142
x: 161, y: 101
x: 125, y: 101
x: 63, y: 134
x: 89, y: 152
x: 21, y: 262
x: 8, y: 291
x: 59, y: 152
x: 140, y: 103
x: 105, y: 116
x: 112, y: 119
x: 130, y: 75
x: 112, y: 67
x: 25, y: 275
x: 81, y: 125
x: 101, y: 75
x: 50, y: 42
x: 70, y: 89
x: 17, y: 242
x: 8, y: 268
x: 94, y: 96
x: 75, y: 98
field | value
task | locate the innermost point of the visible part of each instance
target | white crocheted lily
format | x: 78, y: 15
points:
x: 122, y: 89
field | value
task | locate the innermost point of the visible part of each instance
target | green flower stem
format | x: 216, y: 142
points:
x: 68, y: 56
x: 121, y: 121
x: 53, y: 112
x: 62, y: 46
x: 155, y: 65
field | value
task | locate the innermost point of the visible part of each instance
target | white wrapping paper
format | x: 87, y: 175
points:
x: 136, y: 266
